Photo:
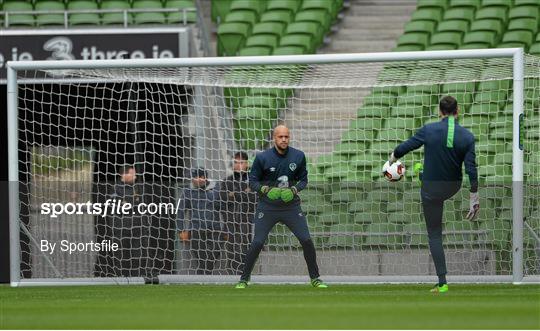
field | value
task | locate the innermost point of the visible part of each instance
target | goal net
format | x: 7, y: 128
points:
x: 94, y: 138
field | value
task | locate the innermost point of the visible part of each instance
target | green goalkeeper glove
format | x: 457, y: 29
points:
x: 273, y: 193
x: 287, y: 195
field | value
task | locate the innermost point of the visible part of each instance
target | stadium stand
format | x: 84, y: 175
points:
x: 45, y: 13
x: 278, y: 27
x: 433, y: 25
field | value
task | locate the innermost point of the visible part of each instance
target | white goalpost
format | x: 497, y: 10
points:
x: 78, y: 131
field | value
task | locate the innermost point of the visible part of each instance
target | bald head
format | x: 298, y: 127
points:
x: 281, y: 138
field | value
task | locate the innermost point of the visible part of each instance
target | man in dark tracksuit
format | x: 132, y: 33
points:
x: 238, y: 207
x: 447, y: 145
x: 130, y: 232
x: 205, y: 231
x: 278, y: 174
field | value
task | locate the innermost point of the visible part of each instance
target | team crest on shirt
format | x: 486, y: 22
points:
x: 261, y: 215
x: 292, y: 166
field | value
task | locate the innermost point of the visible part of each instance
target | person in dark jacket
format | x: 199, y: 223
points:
x: 198, y: 222
x: 131, y: 232
x: 238, y: 208
x: 447, y: 146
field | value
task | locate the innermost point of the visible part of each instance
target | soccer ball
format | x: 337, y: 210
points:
x: 394, y: 172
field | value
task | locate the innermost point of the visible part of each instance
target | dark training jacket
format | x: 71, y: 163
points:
x: 275, y: 170
x: 444, y: 154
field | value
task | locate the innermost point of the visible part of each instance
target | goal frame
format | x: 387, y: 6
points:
x: 516, y: 54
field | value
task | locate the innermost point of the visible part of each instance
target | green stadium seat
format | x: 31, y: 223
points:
x: 379, y: 100
x: 268, y: 41
x: 458, y: 88
x: 19, y: 19
x: 350, y: 148
x: 385, y: 235
x: 365, y: 161
x: 426, y: 27
x: 524, y: 38
x: 289, y: 50
x: 220, y: 9
x: 503, y: 4
x: 256, y: 113
x: 474, y: 46
x: 345, y: 196
x: 475, y: 4
x: 345, y: 235
x: 50, y: 19
x: 288, y: 5
x: 535, y: 49
x: 366, y: 123
x: 328, y: 160
x: 496, y: 13
x: 494, y: 85
x: 413, y: 39
x: 459, y: 14
x: 231, y: 37
x: 503, y: 158
x: 298, y: 40
x: 401, y: 123
x: 427, y: 14
x: 486, y: 38
x: 312, y: 29
x: 241, y: 16
x: 394, y: 90
x: 83, y: 18
x: 453, y: 26
x: 149, y: 17
x: 441, y: 47
x: 458, y: 233
x: 255, y: 51
x: 438, y: 4
x: 257, y: 7
x: 268, y: 28
x: 280, y: 16
x: 492, y: 99
x: 115, y: 18
x: 334, y: 217
x: 312, y: 206
x: 314, y: 15
x: 382, y: 147
x: 393, y: 134
x: 524, y: 12
x: 426, y: 73
x: 178, y: 17
x: 409, y: 111
x: 496, y: 232
x: 366, y: 217
x: 478, y: 124
x: 446, y: 38
x: 358, y: 135
x: 488, y: 25
x: 329, y: 6
x: 408, y: 48
x: 426, y: 100
x: 259, y: 101
x: 518, y: 3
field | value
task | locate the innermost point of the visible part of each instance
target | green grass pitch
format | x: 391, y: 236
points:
x: 270, y: 307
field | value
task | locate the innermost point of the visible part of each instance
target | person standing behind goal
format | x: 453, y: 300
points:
x: 447, y: 146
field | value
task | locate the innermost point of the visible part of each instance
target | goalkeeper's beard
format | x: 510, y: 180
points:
x: 282, y: 149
